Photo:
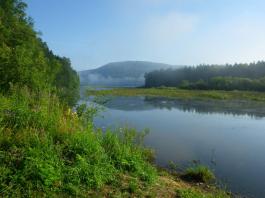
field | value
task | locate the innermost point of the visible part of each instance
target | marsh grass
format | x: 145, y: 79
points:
x: 181, y: 94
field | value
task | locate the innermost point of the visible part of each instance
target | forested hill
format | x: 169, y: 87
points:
x: 25, y: 60
x: 223, y: 77
x: 127, y: 73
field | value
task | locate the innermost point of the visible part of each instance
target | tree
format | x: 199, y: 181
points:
x: 25, y: 60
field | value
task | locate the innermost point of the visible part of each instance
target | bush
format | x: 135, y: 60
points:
x: 199, y: 174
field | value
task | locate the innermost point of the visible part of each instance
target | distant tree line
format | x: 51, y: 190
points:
x: 25, y: 60
x: 220, y: 77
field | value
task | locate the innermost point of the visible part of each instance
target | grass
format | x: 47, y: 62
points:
x: 47, y: 150
x: 199, y: 173
x: 193, y: 193
x: 181, y: 93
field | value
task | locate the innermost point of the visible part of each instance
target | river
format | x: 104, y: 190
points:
x: 227, y: 136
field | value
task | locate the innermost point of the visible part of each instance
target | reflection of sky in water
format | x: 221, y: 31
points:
x: 232, y: 135
x: 247, y: 108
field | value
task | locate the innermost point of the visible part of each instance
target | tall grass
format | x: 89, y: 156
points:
x: 46, y: 149
x: 199, y: 173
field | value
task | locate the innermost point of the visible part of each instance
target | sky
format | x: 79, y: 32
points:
x: 180, y: 32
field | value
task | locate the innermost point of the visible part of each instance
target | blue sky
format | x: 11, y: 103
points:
x: 94, y: 32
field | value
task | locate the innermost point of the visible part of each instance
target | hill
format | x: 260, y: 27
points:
x: 127, y: 73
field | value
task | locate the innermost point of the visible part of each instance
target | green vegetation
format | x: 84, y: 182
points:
x: 211, y: 77
x: 46, y: 149
x: 226, y: 83
x: 181, y: 94
x: 191, y: 193
x: 49, y: 150
x: 199, y: 174
x: 25, y: 60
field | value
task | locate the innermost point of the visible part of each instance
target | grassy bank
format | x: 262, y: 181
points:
x: 47, y: 150
x: 181, y: 94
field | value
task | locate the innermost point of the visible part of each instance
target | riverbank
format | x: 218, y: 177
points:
x: 166, y: 185
x: 181, y: 93
x: 47, y: 150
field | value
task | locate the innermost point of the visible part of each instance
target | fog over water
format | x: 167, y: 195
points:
x: 228, y: 136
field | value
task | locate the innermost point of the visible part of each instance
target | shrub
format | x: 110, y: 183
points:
x: 199, y: 174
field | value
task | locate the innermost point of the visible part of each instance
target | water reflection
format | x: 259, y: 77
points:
x: 236, y: 107
x: 228, y: 136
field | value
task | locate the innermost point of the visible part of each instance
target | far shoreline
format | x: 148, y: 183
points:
x: 172, y: 92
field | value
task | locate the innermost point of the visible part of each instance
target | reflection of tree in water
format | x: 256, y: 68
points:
x: 134, y: 103
x: 250, y: 108
x: 235, y: 107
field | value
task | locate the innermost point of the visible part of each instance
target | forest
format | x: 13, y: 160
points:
x: 26, y: 60
x: 211, y: 77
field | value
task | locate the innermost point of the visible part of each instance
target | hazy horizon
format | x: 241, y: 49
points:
x: 176, y: 32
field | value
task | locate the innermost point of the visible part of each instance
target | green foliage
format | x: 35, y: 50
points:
x: 128, y: 156
x: 67, y: 82
x: 199, y: 174
x: 47, y: 149
x: 85, y: 114
x: 226, y: 83
x: 204, y: 77
x: 25, y: 60
x: 192, y: 193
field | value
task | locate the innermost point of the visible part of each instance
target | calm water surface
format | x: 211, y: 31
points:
x: 227, y: 136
